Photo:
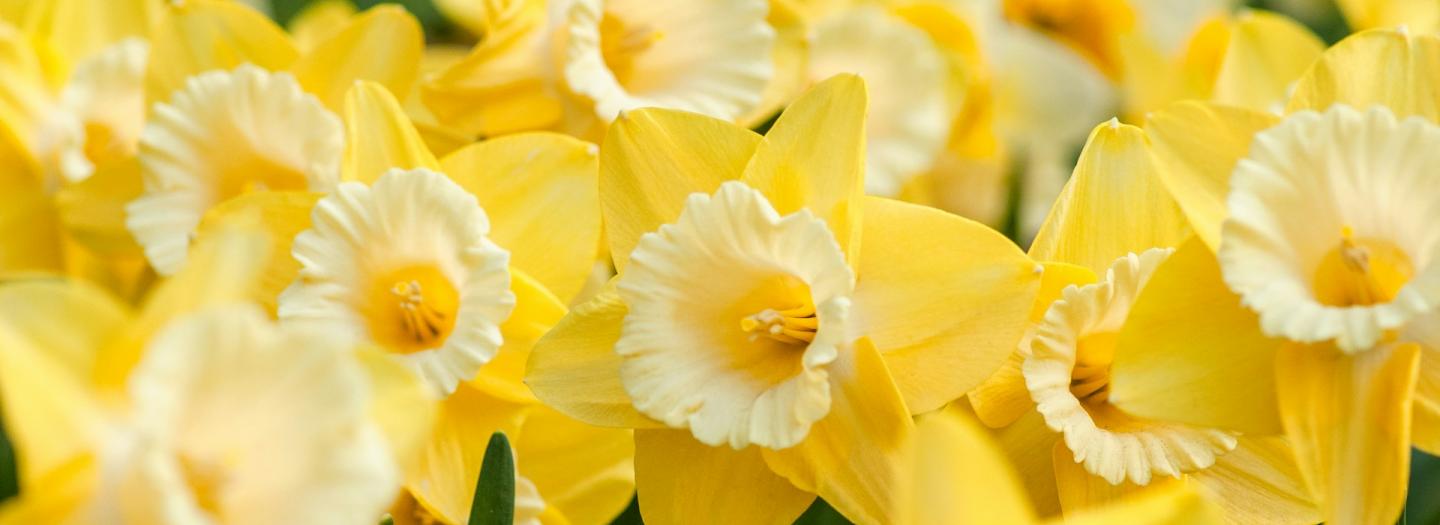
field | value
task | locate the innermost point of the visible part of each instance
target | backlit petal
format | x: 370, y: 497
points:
x: 681, y: 480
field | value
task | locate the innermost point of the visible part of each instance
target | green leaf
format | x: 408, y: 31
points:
x: 821, y: 513
x: 9, y: 480
x: 494, y: 502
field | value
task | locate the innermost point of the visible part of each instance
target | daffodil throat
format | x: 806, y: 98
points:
x: 794, y: 322
x: 1361, y: 272
x: 413, y: 308
x: 621, y: 44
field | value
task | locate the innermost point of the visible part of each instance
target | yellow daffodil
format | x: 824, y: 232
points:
x: 1100, y: 258
x: 1308, y: 300
x: 574, y: 65
x: 251, y: 113
x: 219, y: 415
x: 452, y: 266
x: 769, y: 326
x: 1418, y: 15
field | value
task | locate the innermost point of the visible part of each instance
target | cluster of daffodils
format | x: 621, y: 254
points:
x: 725, y: 258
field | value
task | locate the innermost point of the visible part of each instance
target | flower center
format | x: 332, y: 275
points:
x: 206, y: 480
x: 1361, y: 272
x: 413, y: 308
x: 620, y: 44
x: 795, y: 325
x: 1090, y: 379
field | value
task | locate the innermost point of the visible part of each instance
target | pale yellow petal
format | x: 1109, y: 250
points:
x: 55, y: 497
x: 957, y: 474
x: 681, y: 480
x: 1025, y: 443
x: 814, y: 157
x: 1348, y: 417
x: 653, y: 159
x: 93, y: 210
x: 536, y: 311
x: 76, y: 29
x: 379, y: 136
x: 29, y: 231
x: 281, y: 215
x: 542, y: 194
x: 854, y: 457
x: 401, y: 405
x: 1267, y: 52
x: 575, y: 369
x: 1196, y: 147
x: 1350, y: 72
x: 444, y: 482
x: 1096, y: 218
x: 944, y: 298
x: 200, y: 35
x: 383, y: 45
x: 1190, y: 353
x: 587, y: 473
x: 1258, y: 482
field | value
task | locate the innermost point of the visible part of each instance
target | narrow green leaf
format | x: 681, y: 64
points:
x: 9, y: 480
x: 494, y: 502
x: 821, y: 513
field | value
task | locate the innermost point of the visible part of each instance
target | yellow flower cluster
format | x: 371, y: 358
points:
x: 723, y: 257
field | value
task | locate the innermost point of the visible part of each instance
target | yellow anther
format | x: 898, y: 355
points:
x: 793, y: 325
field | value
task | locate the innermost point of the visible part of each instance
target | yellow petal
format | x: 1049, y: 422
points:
x: 1258, y: 482
x: 1003, y: 397
x: 681, y: 480
x: 1115, y: 181
x: 1266, y: 54
x: 957, y: 474
x: 383, y: 44
x: 444, y: 482
x: 1419, y: 15
x: 575, y: 369
x: 1348, y: 417
x: 855, y: 456
x: 55, y: 497
x: 379, y: 136
x: 70, y: 320
x: 1397, y: 69
x: 225, y: 269
x: 1020, y: 441
x: 77, y: 29
x: 195, y: 36
x: 1170, y: 504
x: 1081, y: 491
x: 542, y: 194
x: 29, y: 231
x: 585, y: 472
x: 281, y: 215
x: 1190, y: 353
x: 50, y: 417
x: 320, y: 21
x: 504, y: 85
x: 1426, y: 432
x: 93, y: 211
x: 653, y: 159
x: 814, y: 157
x: 1196, y: 147
x: 944, y: 298
x: 536, y: 310
x: 401, y: 405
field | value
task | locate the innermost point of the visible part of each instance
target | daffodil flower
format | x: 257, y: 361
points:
x: 1056, y: 391
x: 250, y: 113
x: 574, y: 65
x: 771, y: 330
x: 452, y: 266
x: 1307, y: 305
x: 195, y: 409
